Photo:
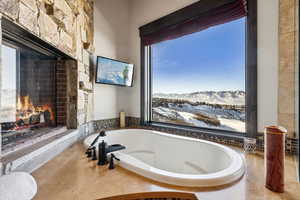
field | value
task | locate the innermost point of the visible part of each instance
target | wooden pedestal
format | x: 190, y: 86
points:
x: 274, y: 158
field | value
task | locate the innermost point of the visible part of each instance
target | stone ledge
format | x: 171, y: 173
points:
x: 33, y: 157
x: 22, y: 141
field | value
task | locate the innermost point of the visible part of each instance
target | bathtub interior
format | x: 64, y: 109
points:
x: 173, y: 154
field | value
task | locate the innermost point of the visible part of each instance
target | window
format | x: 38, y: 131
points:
x: 199, y: 68
x: 9, y: 83
x: 199, y: 79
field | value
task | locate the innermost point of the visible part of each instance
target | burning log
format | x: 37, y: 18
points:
x: 34, y: 119
x: 20, y: 123
x: 47, y: 116
x: 8, y: 126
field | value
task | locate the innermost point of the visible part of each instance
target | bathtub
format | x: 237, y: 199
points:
x: 175, y: 160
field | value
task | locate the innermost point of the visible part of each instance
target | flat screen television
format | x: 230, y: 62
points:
x: 114, y: 72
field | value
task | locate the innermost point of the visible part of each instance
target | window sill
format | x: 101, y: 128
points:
x: 188, y: 130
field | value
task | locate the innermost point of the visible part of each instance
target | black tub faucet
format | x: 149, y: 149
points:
x: 104, y: 149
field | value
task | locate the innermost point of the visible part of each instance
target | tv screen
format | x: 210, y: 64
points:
x: 113, y: 72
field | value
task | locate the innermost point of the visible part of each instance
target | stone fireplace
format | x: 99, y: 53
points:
x: 50, y: 89
x: 33, y: 93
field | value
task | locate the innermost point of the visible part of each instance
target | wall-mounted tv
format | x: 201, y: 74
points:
x: 114, y: 72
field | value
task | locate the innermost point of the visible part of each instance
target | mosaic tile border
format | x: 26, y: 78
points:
x: 115, y: 123
x: 291, y: 145
x: 106, y: 124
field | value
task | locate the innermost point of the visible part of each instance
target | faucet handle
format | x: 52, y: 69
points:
x: 111, y: 161
x: 113, y: 155
x: 102, y: 133
x: 94, y: 154
x: 88, y: 153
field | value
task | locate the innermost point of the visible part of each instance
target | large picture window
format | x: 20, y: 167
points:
x: 199, y: 79
x: 199, y: 68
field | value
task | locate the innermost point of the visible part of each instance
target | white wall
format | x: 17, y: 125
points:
x: 268, y: 62
x: 141, y: 13
x: 116, y: 25
x: 111, y: 40
x: 144, y: 11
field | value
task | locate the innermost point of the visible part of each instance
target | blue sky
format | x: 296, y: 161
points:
x: 210, y: 60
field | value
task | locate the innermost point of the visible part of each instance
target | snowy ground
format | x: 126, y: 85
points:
x: 236, y: 125
x: 223, y: 110
x: 209, y: 111
x: 229, y: 119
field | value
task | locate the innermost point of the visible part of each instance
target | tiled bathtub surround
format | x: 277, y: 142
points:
x: 133, y: 122
x: 291, y: 144
x: 114, y: 123
x: 106, y: 124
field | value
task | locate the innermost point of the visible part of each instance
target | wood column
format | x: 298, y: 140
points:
x: 274, y: 158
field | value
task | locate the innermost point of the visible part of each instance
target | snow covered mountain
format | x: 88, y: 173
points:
x: 223, y: 110
x: 221, y: 97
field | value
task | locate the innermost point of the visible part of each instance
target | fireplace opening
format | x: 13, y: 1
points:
x: 29, y: 87
x: 38, y: 89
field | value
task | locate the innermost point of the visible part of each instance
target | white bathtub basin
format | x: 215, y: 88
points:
x: 175, y: 159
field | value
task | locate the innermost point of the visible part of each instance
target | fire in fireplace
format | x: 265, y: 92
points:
x: 30, y: 116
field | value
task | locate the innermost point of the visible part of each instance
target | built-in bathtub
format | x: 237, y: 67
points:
x: 175, y: 159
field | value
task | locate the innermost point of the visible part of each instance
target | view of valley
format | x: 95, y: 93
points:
x: 218, y: 110
x: 199, y: 79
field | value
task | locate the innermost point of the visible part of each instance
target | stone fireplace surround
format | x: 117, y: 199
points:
x: 66, y: 104
x: 17, y: 36
x: 65, y: 27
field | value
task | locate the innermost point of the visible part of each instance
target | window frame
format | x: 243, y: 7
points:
x: 250, y: 75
